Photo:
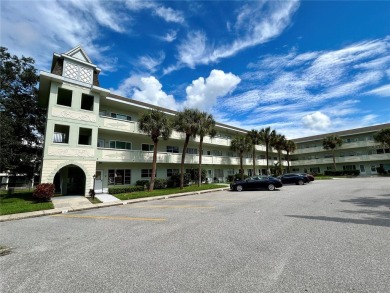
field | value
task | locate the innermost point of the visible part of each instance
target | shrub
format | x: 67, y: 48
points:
x: 160, y: 183
x: 44, y: 191
x: 230, y: 178
x: 142, y: 183
x: 174, y: 181
x: 92, y: 193
x: 124, y: 189
x: 342, y: 173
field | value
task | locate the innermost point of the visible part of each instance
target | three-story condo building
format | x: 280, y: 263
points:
x: 359, y: 151
x: 92, y: 138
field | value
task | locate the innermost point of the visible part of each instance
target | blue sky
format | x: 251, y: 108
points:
x: 301, y: 67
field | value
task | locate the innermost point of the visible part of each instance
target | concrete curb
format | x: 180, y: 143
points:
x: 36, y: 214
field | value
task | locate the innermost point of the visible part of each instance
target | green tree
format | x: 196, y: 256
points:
x: 156, y: 124
x: 22, y: 120
x: 241, y: 144
x: 254, y: 138
x: 331, y: 142
x: 383, y: 137
x: 187, y: 122
x: 266, y: 137
x: 205, y: 127
x: 278, y: 143
x: 289, y: 147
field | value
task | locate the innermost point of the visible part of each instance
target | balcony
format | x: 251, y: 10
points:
x: 345, y: 146
x: 137, y: 156
x: 349, y: 159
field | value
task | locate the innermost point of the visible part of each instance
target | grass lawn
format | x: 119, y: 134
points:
x: 21, y: 201
x: 94, y: 200
x: 167, y: 191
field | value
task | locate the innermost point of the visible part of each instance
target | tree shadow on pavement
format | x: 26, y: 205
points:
x: 365, y: 217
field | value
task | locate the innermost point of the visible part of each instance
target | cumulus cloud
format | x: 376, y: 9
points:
x: 148, y: 90
x: 263, y: 21
x: 203, y: 93
x: 317, y: 120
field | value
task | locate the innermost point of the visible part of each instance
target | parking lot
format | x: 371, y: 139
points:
x: 326, y: 236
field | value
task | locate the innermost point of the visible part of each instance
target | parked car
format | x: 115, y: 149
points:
x: 311, y: 177
x: 256, y: 182
x: 292, y: 178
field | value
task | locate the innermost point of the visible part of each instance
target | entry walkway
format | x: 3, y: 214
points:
x: 105, y: 197
x: 70, y: 202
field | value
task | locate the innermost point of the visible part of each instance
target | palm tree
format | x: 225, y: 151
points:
x: 187, y: 122
x: 266, y: 136
x: 278, y: 143
x: 331, y: 142
x: 383, y: 137
x: 241, y: 144
x: 205, y: 127
x: 156, y: 124
x: 289, y: 147
x: 254, y: 138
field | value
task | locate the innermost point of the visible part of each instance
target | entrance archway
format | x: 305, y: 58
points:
x: 70, y: 180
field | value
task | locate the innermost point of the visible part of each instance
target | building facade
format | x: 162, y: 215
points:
x: 92, y: 138
x: 359, y: 151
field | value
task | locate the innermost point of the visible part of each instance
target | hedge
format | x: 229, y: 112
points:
x: 124, y: 189
x: 342, y: 173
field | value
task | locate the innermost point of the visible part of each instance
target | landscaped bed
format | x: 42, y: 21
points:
x: 167, y: 191
x: 21, y: 201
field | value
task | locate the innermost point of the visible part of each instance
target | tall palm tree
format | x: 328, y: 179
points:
x: 187, y: 122
x: 266, y: 136
x: 383, y: 137
x: 278, y: 143
x: 156, y: 124
x: 289, y: 147
x: 254, y: 138
x: 205, y: 127
x: 241, y: 144
x: 331, y: 142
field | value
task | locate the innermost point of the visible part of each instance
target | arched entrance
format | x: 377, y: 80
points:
x: 70, y: 180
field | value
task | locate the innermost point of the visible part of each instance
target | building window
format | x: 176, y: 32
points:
x: 121, y: 116
x: 61, y: 133
x: 349, y: 167
x: 171, y: 172
x: 119, y: 176
x: 64, y: 97
x: 373, y: 168
x: 216, y: 153
x: 120, y: 145
x: 362, y: 169
x: 218, y: 173
x: 147, y: 173
x: 87, y: 102
x: 100, y: 143
x: 85, y: 136
x: 147, y: 147
x: 192, y: 151
x: 172, y: 149
x: 230, y: 154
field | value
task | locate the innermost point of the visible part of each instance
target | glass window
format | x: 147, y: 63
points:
x: 172, y: 149
x: 192, y: 151
x: 121, y: 145
x: 147, y: 147
x: 147, y: 173
x: 121, y: 116
x: 119, y: 176
x: 171, y: 172
x: 100, y: 143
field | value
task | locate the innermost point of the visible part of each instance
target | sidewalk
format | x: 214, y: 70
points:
x: 66, y: 204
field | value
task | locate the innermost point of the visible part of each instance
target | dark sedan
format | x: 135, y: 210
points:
x: 311, y: 177
x: 294, y: 179
x: 256, y: 182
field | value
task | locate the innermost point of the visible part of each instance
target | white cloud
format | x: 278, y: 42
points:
x: 150, y: 63
x: 203, y: 93
x: 317, y: 120
x: 169, y: 15
x: 169, y: 36
x: 383, y: 91
x: 263, y: 21
x: 148, y: 90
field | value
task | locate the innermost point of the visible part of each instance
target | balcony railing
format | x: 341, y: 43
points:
x: 137, y: 156
x: 345, y: 146
x: 349, y: 159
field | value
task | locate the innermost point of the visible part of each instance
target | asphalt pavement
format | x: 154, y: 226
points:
x: 326, y: 236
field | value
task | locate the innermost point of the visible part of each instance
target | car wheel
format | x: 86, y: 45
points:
x: 239, y: 188
x: 271, y: 187
x: 300, y: 182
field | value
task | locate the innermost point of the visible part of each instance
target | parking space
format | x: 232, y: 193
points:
x: 326, y: 236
